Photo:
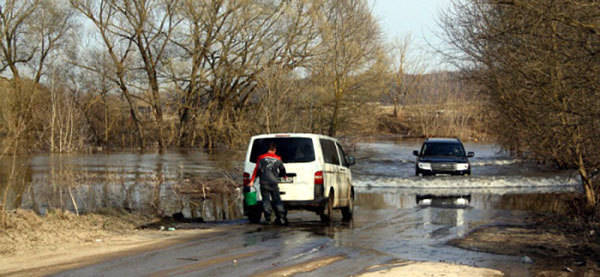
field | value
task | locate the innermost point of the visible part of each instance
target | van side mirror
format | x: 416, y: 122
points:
x: 471, y: 154
x: 351, y: 161
x: 416, y: 153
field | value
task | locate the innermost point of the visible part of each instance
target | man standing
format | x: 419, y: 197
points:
x: 269, y: 168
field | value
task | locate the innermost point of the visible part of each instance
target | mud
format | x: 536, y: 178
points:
x: 555, y: 245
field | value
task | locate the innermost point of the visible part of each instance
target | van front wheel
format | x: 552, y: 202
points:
x: 327, y: 212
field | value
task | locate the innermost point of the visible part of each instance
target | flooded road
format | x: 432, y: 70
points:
x: 397, y: 217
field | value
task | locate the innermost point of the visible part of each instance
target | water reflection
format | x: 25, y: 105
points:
x: 15, y: 177
x: 161, y: 184
x: 451, y: 213
x: 542, y: 199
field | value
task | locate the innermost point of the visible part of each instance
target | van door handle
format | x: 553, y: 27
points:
x: 342, y: 169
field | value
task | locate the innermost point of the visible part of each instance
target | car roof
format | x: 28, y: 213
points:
x: 443, y: 140
x: 297, y: 135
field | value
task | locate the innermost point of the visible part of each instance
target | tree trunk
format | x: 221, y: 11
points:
x: 53, y: 120
x: 158, y: 114
x: 339, y: 92
x: 106, y: 125
x: 138, y: 125
x: 588, y: 186
x: 333, y: 122
x: 182, y: 131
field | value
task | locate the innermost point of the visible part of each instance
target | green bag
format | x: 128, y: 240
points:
x: 250, y: 198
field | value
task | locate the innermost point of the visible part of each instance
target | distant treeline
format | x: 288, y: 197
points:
x: 436, y: 104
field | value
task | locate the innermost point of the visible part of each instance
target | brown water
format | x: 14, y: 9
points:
x: 176, y: 181
x: 162, y: 184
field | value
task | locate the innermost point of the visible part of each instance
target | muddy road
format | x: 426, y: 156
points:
x: 398, y: 217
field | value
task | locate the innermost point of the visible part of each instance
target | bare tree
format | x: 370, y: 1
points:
x: 277, y: 110
x: 350, y: 41
x: 136, y: 35
x: 227, y: 46
x: 407, y: 70
x: 15, y: 21
x: 538, y: 63
x: 30, y: 32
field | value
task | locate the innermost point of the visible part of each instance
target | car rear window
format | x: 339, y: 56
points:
x: 443, y: 149
x: 291, y: 150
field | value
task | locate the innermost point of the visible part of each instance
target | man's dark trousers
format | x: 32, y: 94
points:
x: 271, y: 199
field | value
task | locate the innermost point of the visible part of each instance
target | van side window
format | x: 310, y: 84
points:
x: 342, y: 155
x: 329, y: 152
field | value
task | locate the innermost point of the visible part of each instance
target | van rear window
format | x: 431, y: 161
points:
x: 291, y: 150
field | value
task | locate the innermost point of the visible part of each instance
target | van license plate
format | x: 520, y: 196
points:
x: 287, y: 180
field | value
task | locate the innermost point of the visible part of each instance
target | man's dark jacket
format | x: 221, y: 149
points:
x: 269, y: 168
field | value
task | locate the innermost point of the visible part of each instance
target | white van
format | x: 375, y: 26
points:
x: 318, y: 174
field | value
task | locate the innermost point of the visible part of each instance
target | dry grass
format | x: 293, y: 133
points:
x: 28, y: 231
x: 202, y: 188
x: 462, y: 120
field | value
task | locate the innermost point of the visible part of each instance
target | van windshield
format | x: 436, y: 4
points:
x: 443, y: 149
x: 291, y: 150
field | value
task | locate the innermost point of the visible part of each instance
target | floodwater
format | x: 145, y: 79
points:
x: 162, y: 184
x: 398, y: 216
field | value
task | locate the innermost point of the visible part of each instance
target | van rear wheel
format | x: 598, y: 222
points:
x: 327, y: 212
x: 348, y: 210
x: 254, y: 214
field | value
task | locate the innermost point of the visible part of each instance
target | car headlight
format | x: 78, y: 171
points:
x: 462, y: 166
x: 426, y: 166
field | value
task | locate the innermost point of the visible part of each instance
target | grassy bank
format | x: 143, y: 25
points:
x: 465, y: 121
x: 27, y: 231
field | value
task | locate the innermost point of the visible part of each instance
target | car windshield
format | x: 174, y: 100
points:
x: 291, y: 150
x: 443, y: 149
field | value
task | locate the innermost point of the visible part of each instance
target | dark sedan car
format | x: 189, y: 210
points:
x: 442, y: 156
